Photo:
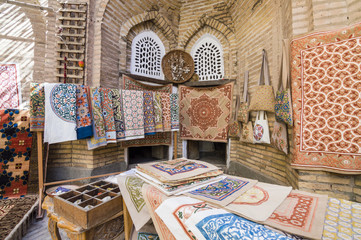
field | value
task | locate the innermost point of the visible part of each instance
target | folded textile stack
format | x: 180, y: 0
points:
x: 179, y: 176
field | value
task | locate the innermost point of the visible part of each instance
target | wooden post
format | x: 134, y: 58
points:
x: 175, y: 143
x: 128, y: 223
x: 39, y: 137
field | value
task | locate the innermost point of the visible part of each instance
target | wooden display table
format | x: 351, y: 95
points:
x: 109, y: 229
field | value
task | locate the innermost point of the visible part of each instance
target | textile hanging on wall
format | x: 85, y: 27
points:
x: 149, y: 125
x: 326, y: 98
x: 174, y: 111
x: 161, y: 138
x: 220, y: 224
x: 129, y: 83
x: 10, y: 89
x: 259, y: 202
x: 83, y: 114
x: 98, y: 138
x: 60, y: 113
x: 133, y: 114
x: 15, y: 148
x: 108, y: 114
x: 158, y: 112
x: 131, y: 189
x: 302, y: 213
x: 342, y: 220
x: 205, y: 112
x: 165, y: 100
x: 118, y: 115
x: 153, y: 199
x: 37, y: 107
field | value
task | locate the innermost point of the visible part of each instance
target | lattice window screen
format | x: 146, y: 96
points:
x: 208, y: 58
x: 71, y: 43
x: 147, y: 53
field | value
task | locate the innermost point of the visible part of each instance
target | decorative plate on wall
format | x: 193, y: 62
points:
x: 178, y: 66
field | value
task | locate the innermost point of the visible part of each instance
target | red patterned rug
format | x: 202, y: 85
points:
x: 326, y: 86
x: 15, y: 148
x: 9, y: 86
x: 205, y: 112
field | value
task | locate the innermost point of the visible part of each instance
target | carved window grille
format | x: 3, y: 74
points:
x: 71, y: 42
x: 147, y: 53
x: 208, y: 58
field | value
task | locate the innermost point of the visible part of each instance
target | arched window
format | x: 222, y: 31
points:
x: 147, y: 53
x: 208, y: 58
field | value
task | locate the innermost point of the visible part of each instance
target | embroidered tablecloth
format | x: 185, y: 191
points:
x: 83, y: 113
x: 108, y: 114
x: 118, y: 115
x: 10, y: 89
x: 174, y: 111
x: 133, y: 114
x: 37, y: 107
x: 149, y: 123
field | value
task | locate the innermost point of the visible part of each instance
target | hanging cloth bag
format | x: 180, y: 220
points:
x: 234, y: 126
x: 279, y: 138
x: 247, y: 132
x: 263, y: 98
x: 243, y: 114
x: 283, y: 106
x: 261, y: 129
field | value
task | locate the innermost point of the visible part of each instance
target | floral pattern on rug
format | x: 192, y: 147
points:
x: 10, y: 96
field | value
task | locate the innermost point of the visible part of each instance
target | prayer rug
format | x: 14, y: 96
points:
x: 205, y: 112
x: 15, y: 211
x: 326, y: 95
x: 10, y: 89
x: 176, y: 211
x: 131, y: 189
x: 218, y: 224
x: 98, y: 138
x: 37, y: 107
x: 223, y: 192
x: 153, y: 199
x: 160, y: 138
x: 118, y: 114
x: 149, y: 124
x: 301, y: 214
x: 259, y: 202
x: 174, y: 111
x: 343, y: 220
x: 165, y: 100
x: 158, y: 112
x: 83, y: 115
x: 133, y: 114
x: 129, y: 83
x: 177, y: 169
x: 15, y: 148
x: 108, y: 114
x: 60, y: 112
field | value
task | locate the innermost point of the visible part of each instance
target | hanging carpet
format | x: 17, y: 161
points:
x: 118, y: 114
x: 10, y: 94
x: 83, y: 113
x: 108, y: 114
x: 37, y: 107
x: 326, y: 86
x: 205, y: 112
x: 174, y: 111
x: 15, y: 148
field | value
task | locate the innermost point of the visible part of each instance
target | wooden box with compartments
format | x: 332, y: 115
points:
x: 89, y: 205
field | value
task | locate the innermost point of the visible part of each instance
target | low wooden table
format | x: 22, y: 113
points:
x: 110, y: 229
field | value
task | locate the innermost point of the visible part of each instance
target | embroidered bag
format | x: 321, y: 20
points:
x: 247, y: 132
x: 243, y: 109
x: 283, y: 106
x: 261, y: 129
x: 279, y: 137
x: 263, y: 98
x: 234, y: 126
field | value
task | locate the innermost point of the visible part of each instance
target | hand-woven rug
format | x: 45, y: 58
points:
x: 10, y: 89
x: 176, y: 211
x: 302, y: 213
x: 98, y: 138
x: 133, y: 114
x: 160, y: 138
x: 118, y: 115
x: 259, y: 202
x: 177, y: 169
x: 129, y: 83
x: 326, y: 98
x: 343, y: 220
x: 131, y: 189
x: 166, y: 116
x: 158, y: 112
x: 153, y: 199
x: 60, y: 112
x: 219, y: 224
x: 223, y: 192
x: 108, y: 114
x: 149, y: 123
x: 15, y: 148
x: 174, y: 111
x: 83, y: 113
x: 37, y: 107
x: 12, y: 211
x: 205, y: 112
